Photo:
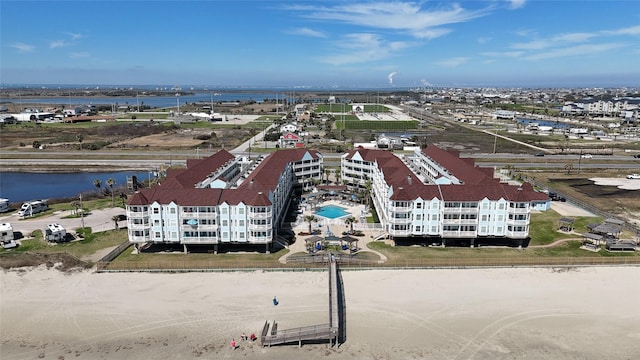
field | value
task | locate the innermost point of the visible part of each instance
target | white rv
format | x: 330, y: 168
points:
x: 4, y: 205
x: 6, y: 236
x: 55, y: 233
x: 33, y: 207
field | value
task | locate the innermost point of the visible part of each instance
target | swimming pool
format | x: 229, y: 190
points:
x: 331, y: 212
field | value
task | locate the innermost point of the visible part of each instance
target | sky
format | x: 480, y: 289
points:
x: 332, y: 44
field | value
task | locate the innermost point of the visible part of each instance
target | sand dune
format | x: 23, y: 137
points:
x: 577, y: 313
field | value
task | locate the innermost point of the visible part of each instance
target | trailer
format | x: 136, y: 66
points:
x: 55, y: 233
x: 31, y: 208
x: 6, y: 236
x: 4, y: 205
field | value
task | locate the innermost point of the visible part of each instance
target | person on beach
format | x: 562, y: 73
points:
x: 275, y: 301
x: 252, y: 337
x: 233, y: 344
x: 243, y: 337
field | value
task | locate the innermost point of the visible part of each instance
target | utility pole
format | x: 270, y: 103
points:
x: 81, y: 212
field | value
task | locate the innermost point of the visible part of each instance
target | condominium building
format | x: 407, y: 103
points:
x: 436, y: 195
x: 222, y: 199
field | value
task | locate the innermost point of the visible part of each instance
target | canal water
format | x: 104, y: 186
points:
x: 24, y: 186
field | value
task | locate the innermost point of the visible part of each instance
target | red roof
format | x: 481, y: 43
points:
x: 478, y: 183
x: 254, y: 191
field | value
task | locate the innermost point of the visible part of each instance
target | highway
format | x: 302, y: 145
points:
x: 143, y: 160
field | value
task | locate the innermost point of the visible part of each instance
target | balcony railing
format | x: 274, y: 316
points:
x: 139, y: 226
x: 459, y: 234
x: 138, y: 214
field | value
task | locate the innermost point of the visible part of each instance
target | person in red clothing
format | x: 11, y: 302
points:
x: 233, y: 344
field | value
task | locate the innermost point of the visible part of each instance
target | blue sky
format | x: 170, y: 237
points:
x: 345, y: 44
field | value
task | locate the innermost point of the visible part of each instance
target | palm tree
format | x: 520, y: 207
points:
x: 568, y: 167
x: 79, y: 137
x: 367, y: 188
x: 75, y: 205
x: 115, y: 219
x: 111, y: 182
x: 123, y: 196
x: 97, y: 183
x: 310, y: 219
x: 350, y: 221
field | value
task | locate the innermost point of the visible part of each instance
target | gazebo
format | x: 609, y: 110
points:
x: 312, y: 241
x: 565, y: 224
x: 349, y: 240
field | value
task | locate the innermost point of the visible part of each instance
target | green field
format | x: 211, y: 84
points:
x: 377, y: 125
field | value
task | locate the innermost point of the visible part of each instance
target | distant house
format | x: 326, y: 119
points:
x: 288, y: 128
x: 289, y: 140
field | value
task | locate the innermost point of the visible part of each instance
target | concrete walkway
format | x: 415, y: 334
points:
x: 336, y: 226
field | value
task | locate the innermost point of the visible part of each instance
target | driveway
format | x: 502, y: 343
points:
x: 97, y: 220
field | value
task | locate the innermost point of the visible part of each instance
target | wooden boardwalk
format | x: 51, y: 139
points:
x: 271, y: 335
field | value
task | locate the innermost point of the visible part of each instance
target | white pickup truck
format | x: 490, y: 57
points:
x: 633, y: 176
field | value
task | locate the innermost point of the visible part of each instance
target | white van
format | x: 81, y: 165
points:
x: 33, y: 207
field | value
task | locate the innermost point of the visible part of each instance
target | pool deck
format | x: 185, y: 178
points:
x: 336, y: 226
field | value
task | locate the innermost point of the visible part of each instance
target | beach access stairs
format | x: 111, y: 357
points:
x: 330, y: 332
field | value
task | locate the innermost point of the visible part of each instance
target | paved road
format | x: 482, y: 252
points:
x: 98, y: 220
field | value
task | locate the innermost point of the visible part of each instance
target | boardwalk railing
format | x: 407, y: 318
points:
x: 293, y: 335
x: 347, y: 263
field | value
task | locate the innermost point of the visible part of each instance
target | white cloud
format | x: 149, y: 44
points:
x: 58, y: 43
x: 516, y: 4
x: 75, y: 36
x: 362, y: 47
x: 578, y: 50
x: 77, y: 55
x: 409, y: 17
x: 307, y: 32
x: 453, y: 62
x: 484, y: 39
x: 632, y: 30
x: 511, y: 54
x: 23, y: 47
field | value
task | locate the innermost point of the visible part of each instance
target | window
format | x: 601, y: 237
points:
x: 241, y: 235
x: 418, y: 217
x: 156, y: 222
x: 156, y: 210
x: 501, y: 206
x: 418, y: 228
x: 484, y: 217
x: 156, y: 234
x: 172, y: 210
x: 225, y: 223
x: 224, y: 211
x: 419, y: 205
x: 241, y: 211
x: 240, y: 222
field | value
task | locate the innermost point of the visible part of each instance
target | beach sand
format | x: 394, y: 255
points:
x: 512, y: 313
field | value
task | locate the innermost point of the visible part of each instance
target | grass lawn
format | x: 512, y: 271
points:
x: 79, y: 248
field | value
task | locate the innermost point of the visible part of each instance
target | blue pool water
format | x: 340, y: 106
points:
x: 331, y: 212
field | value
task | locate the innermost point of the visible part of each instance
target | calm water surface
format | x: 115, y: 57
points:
x: 21, y: 186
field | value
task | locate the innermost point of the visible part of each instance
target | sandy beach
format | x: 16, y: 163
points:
x: 541, y: 313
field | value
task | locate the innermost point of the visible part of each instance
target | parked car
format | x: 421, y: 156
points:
x: 633, y: 176
x: 637, y: 156
x: 586, y: 156
x: 541, y: 153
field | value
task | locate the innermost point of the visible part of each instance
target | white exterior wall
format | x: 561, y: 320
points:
x: 6, y: 232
